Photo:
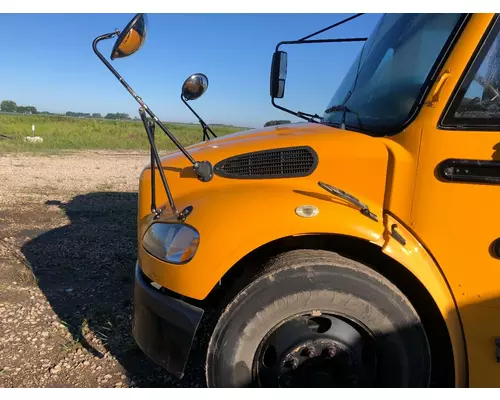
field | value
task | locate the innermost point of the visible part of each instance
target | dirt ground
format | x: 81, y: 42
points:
x: 67, y: 257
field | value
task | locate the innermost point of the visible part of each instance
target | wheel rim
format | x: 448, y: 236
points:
x: 316, y: 350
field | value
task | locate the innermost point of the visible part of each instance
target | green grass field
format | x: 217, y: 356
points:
x: 64, y: 133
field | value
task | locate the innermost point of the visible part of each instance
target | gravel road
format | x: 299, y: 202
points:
x: 67, y: 256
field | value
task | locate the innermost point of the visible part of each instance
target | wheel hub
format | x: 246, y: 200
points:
x: 312, y: 351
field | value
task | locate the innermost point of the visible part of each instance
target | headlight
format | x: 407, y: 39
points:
x: 174, y: 243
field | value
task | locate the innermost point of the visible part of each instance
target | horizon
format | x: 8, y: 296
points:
x: 60, y: 73
x: 45, y: 113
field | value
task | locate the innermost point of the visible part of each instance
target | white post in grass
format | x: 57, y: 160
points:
x: 33, y: 138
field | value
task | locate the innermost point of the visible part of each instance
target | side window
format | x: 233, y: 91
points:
x: 476, y: 104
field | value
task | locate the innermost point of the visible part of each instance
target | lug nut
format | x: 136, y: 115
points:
x: 309, y: 351
x: 330, y: 352
x: 292, y: 363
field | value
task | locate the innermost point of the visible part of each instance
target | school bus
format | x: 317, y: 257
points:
x: 360, y: 248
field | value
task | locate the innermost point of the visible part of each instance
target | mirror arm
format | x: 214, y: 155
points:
x: 200, y: 120
x: 207, y: 129
x: 156, y: 163
x: 331, y: 26
x: 341, y: 40
x: 309, y: 117
x: 109, y: 66
x: 203, y: 169
x: 150, y: 131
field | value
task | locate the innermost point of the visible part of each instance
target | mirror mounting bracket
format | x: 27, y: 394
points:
x: 149, y: 126
x: 206, y: 128
x: 204, y: 174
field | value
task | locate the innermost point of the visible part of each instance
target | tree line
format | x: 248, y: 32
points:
x: 121, y: 116
x: 277, y: 122
x: 12, y: 107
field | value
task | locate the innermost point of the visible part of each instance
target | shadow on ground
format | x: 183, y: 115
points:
x: 85, y: 269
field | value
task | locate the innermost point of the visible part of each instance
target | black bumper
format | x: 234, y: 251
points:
x: 163, y: 327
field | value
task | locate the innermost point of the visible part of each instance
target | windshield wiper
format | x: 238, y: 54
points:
x: 363, y: 208
x: 310, y: 117
x: 344, y: 109
x: 339, y: 107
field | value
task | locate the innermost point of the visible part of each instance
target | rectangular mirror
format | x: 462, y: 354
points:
x: 278, y: 74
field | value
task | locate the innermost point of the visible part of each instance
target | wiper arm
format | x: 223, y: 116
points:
x: 363, y: 208
x: 344, y: 109
x: 310, y: 117
x: 340, y: 107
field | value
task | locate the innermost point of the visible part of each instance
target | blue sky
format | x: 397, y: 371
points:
x: 48, y: 62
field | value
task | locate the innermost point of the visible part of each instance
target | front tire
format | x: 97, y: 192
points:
x: 313, y: 318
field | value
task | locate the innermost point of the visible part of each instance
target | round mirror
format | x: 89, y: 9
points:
x: 194, y: 86
x: 131, y: 38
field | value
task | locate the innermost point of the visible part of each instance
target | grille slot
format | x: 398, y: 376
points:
x: 288, y: 162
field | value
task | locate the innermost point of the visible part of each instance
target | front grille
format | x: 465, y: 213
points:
x: 288, y: 162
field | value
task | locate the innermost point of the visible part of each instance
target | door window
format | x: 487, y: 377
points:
x: 476, y: 104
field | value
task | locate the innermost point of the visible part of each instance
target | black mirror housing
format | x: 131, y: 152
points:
x: 194, y: 86
x: 278, y: 74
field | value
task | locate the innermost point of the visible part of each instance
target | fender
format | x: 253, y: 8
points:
x: 247, y: 217
x: 414, y: 257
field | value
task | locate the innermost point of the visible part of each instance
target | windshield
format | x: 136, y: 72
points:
x: 385, y: 81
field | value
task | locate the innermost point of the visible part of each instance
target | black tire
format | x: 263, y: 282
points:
x: 301, y: 281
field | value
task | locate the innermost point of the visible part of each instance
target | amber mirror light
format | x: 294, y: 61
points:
x: 194, y: 86
x: 131, y: 38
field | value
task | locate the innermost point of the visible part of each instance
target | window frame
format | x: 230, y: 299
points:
x: 447, y: 120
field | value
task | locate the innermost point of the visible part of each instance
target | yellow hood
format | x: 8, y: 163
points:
x: 351, y: 161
